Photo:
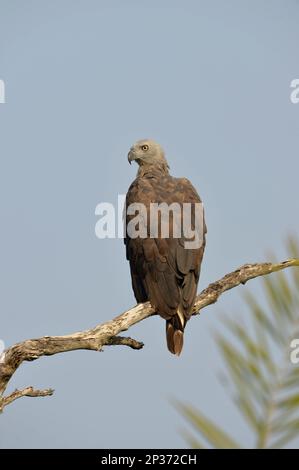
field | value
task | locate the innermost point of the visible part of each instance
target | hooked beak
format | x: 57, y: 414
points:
x: 131, y: 157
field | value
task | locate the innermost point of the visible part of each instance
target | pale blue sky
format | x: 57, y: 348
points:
x: 210, y: 80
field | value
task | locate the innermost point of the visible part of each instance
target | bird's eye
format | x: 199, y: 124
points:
x: 144, y: 147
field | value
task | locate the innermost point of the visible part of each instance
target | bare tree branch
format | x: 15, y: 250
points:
x: 106, y: 334
x: 26, y: 392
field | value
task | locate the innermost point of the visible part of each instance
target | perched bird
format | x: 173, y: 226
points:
x: 163, y: 270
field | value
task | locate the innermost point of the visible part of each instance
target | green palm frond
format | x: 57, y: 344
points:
x: 257, y: 356
x: 192, y: 440
x: 212, y: 433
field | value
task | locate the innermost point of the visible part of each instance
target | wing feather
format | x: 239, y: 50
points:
x: 163, y: 270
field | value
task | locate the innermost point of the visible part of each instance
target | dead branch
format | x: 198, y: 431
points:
x: 106, y: 334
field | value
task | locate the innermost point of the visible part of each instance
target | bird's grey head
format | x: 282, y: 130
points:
x: 147, y: 153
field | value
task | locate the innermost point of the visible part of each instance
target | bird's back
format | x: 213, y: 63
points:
x: 163, y: 270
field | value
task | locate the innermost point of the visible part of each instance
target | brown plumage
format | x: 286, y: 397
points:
x: 163, y: 270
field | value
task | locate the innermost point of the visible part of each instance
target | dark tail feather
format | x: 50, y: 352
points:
x: 174, y: 335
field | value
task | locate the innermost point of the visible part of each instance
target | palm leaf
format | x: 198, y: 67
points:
x: 257, y: 358
x: 191, y: 440
x: 213, y: 434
